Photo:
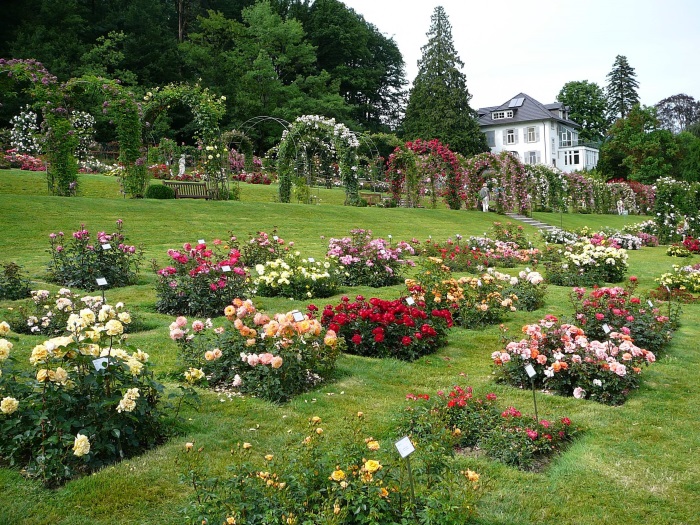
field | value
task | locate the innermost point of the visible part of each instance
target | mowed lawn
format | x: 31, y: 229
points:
x: 633, y: 464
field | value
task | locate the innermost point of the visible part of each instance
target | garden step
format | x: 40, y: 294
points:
x: 531, y: 222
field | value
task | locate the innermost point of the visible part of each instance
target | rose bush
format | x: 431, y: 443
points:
x: 297, y: 278
x: 272, y: 358
x: 381, y: 328
x: 569, y: 363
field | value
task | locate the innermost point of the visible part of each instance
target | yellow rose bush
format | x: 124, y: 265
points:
x: 274, y: 358
x: 340, y: 476
x: 86, y: 399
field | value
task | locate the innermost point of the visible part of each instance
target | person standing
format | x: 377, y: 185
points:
x: 484, y: 196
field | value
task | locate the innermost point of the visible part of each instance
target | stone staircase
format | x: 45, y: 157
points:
x: 532, y: 222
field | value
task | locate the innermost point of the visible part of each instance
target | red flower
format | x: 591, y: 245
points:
x: 566, y: 421
x: 405, y: 340
x: 356, y: 339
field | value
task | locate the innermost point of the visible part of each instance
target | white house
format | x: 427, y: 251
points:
x: 537, y: 133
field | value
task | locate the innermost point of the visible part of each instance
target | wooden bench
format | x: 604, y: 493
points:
x: 188, y: 190
x: 372, y: 198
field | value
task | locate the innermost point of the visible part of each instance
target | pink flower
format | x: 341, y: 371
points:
x: 531, y: 434
x: 181, y: 321
x: 266, y: 358
x: 176, y: 334
x: 599, y: 316
x: 198, y: 326
x: 237, y: 381
x: 579, y: 393
x: 253, y: 359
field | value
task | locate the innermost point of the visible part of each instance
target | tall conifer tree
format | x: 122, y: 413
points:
x: 622, y: 88
x: 438, y: 104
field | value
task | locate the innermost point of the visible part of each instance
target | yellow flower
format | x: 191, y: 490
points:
x: 230, y: 520
x: 60, y: 376
x: 471, y: 475
x: 247, y: 445
x: 383, y: 493
x: 338, y: 475
x: 8, y: 405
x: 192, y: 375
x: 43, y: 375
x: 360, y: 414
x: 114, y: 327
x: 269, y: 457
x: 315, y: 420
x: 81, y: 445
x: 39, y: 355
x: 319, y: 431
x: 336, y: 509
x: 331, y: 339
x: 4, y: 328
x: 5, y: 347
x: 124, y: 317
x: 373, y: 445
x: 372, y: 465
x: 189, y: 446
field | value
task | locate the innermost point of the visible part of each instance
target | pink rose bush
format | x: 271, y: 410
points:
x: 567, y: 362
x: 274, y: 357
x: 368, y: 261
x: 201, y: 280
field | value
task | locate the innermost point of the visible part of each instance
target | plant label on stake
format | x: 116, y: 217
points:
x: 311, y: 260
x: 226, y: 269
x: 100, y: 364
x: 405, y: 449
x: 201, y: 241
x: 102, y: 283
x: 606, y: 329
x: 298, y: 316
x: 531, y: 373
x: 106, y: 246
x: 651, y: 305
x: 410, y: 301
x: 275, y: 238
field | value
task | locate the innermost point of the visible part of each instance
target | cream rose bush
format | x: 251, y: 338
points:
x: 86, y: 399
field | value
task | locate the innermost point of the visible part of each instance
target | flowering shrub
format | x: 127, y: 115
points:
x: 261, y: 247
x: 88, y: 400
x: 509, y: 232
x: 678, y: 250
x: 569, y: 363
x: 48, y: 313
x: 558, y: 236
x: 624, y: 311
x: 79, y: 261
x: 584, y: 263
x: 253, y: 178
x: 379, y: 328
x: 473, y: 301
x: 339, y: 475
x: 297, y: 278
x: 24, y: 136
x: 682, y: 278
x: 159, y: 171
x: 530, y: 289
x: 476, y: 253
x: 460, y: 419
x: 24, y: 161
x: 692, y: 244
x: 201, y: 280
x: 13, y: 284
x: 274, y: 359
x: 368, y: 261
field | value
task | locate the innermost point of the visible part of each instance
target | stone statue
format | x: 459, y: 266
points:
x: 182, y: 165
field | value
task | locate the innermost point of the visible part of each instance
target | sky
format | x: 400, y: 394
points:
x: 537, y: 46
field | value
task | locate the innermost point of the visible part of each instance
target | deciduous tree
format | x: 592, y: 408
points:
x: 588, y: 107
x: 677, y: 112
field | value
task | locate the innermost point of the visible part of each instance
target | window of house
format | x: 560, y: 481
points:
x: 571, y: 158
x: 496, y: 115
x: 491, y: 138
x: 510, y: 136
x: 532, y: 134
x: 532, y: 157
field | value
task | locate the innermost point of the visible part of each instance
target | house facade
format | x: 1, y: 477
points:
x: 537, y: 133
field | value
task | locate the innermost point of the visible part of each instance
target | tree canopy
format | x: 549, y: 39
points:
x: 438, y: 104
x: 588, y: 107
x: 678, y: 112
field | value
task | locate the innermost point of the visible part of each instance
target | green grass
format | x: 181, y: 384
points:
x: 634, y: 464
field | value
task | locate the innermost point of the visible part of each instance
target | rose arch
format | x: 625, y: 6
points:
x: 505, y: 176
x: 421, y: 167
x: 207, y: 110
x: 308, y: 135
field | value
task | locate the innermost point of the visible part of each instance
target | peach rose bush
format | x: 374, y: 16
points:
x: 274, y: 358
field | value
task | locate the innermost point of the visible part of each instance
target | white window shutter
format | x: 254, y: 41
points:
x: 537, y: 134
x: 539, y: 159
x: 505, y: 136
x: 515, y: 135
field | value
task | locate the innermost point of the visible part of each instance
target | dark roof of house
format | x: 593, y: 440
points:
x: 525, y: 109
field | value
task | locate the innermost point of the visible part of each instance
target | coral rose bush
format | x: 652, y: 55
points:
x: 274, y: 358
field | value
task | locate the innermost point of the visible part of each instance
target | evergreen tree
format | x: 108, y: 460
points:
x: 622, y: 88
x: 438, y: 104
